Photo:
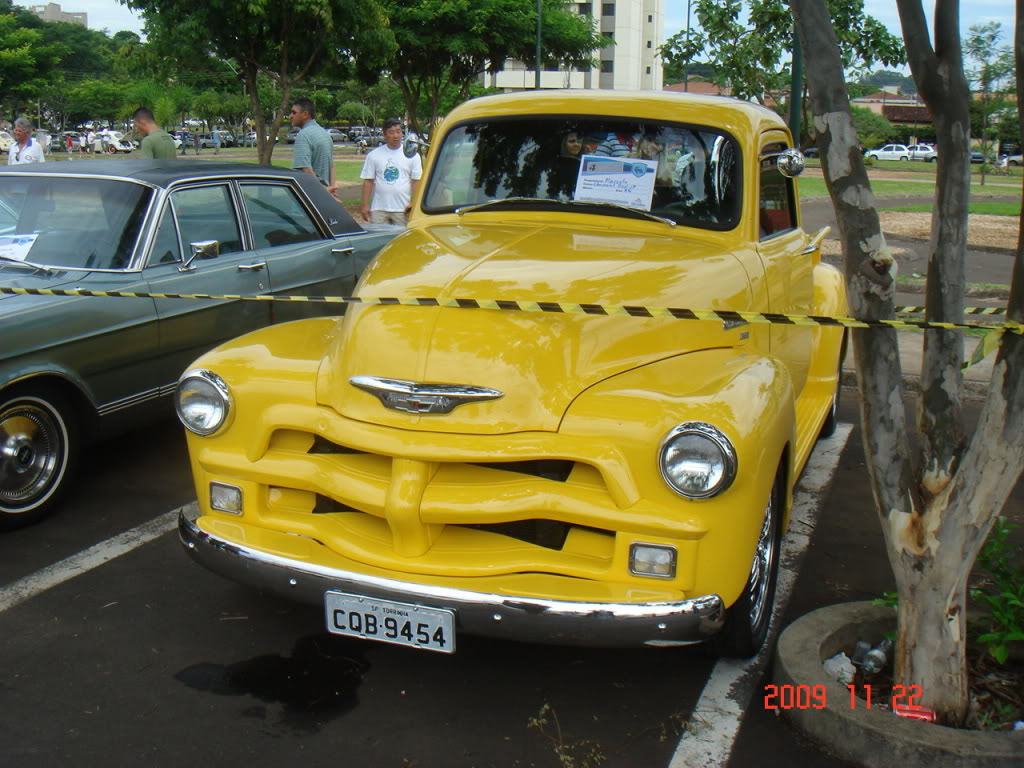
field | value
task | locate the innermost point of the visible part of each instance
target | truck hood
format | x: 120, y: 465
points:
x: 539, y: 361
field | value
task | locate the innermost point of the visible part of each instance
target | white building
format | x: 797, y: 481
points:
x: 635, y: 27
x: 53, y: 12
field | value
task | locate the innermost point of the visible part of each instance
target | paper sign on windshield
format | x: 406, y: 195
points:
x: 16, y: 247
x: 623, y: 180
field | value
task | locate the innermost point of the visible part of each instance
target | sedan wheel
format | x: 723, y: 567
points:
x: 38, y: 447
x: 746, y: 624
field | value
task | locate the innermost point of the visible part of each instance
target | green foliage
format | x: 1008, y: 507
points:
x: 288, y: 42
x: 27, y: 59
x: 872, y: 129
x: 888, y: 599
x: 746, y: 42
x: 673, y: 71
x: 95, y: 99
x: 1001, y: 591
x: 445, y: 45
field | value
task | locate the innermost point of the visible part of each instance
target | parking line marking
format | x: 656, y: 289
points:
x: 36, y: 583
x: 708, y: 737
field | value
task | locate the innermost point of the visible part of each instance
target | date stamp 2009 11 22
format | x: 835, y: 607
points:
x: 778, y: 697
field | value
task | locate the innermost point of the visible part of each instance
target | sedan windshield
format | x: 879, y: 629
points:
x: 70, y: 222
x: 687, y: 174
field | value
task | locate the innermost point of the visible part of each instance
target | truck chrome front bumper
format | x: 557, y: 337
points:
x: 528, y: 619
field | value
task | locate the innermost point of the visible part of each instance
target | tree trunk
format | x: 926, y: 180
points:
x: 935, y: 507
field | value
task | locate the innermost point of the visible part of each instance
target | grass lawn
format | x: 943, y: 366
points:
x: 921, y: 169
x: 812, y: 187
x: 990, y: 207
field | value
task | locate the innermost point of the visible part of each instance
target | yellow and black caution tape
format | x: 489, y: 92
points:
x: 563, y: 307
x: 989, y: 342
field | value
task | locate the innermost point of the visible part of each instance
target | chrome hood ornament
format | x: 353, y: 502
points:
x: 422, y: 398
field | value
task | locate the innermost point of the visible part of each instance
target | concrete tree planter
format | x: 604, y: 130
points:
x: 873, y: 737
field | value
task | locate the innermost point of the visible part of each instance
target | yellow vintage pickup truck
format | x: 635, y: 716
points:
x: 528, y: 428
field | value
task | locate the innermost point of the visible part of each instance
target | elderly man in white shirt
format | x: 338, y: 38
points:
x: 25, y: 149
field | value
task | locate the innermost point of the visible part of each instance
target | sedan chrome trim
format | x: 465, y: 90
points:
x: 136, y: 399
x: 421, y: 397
x: 512, y: 617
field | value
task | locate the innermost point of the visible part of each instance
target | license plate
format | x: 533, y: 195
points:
x: 432, y: 629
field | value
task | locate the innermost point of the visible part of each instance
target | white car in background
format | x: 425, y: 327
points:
x: 923, y: 152
x: 889, y: 152
x: 6, y: 140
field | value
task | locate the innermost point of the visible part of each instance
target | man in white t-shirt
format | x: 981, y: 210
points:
x: 390, y: 178
x: 25, y: 149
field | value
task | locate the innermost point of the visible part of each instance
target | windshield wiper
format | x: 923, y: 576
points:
x: 621, y: 207
x: 477, y: 206
x: 29, y: 264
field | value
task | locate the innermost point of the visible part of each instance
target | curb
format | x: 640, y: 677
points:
x: 873, y: 737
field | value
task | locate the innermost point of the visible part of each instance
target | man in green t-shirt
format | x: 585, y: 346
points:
x: 157, y: 144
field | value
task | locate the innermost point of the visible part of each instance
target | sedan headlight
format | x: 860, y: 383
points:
x: 203, y: 401
x: 697, y: 460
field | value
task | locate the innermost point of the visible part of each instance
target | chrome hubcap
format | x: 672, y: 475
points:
x: 761, y: 568
x: 30, y: 452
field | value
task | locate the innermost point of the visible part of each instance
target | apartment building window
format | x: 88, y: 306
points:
x: 607, y: 9
x: 648, y: 43
x: 650, y: 18
x: 586, y: 9
x: 607, y: 66
x: 648, y: 70
x: 609, y: 37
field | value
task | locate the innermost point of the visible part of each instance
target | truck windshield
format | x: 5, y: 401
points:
x: 690, y: 175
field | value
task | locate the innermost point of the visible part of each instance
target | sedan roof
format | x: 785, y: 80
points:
x: 160, y: 173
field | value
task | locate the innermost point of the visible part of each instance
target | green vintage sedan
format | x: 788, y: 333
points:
x: 75, y: 369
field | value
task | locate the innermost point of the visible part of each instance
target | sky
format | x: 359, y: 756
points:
x: 112, y: 16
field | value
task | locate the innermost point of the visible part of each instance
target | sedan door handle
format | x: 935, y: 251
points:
x: 253, y: 267
x: 340, y: 251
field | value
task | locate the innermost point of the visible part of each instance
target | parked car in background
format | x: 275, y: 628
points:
x: 923, y: 152
x: 112, y: 142
x: 601, y: 472
x: 977, y: 158
x: 75, y: 369
x: 356, y: 132
x: 889, y: 152
x: 811, y: 151
x: 1014, y: 160
x: 291, y: 136
x: 337, y: 135
x: 6, y: 140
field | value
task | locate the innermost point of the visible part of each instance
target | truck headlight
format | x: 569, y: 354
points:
x: 696, y: 460
x: 203, y: 401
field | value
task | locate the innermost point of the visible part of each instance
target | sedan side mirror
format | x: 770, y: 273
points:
x: 204, y: 249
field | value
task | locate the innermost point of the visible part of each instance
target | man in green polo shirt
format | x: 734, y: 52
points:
x: 314, y: 149
x: 157, y: 144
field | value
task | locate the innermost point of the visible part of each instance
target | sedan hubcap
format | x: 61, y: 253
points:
x: 30, y: 449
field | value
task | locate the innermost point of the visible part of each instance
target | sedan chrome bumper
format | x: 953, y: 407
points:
x: 527, y: 619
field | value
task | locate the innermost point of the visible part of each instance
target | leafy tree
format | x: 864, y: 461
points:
x: 937, y: 497
x: 747, y: 42
x: 993, y: 63
x: 289, y: 42
x: 872, y: 129
x: 26, y: 59
x: 445, y: 45
x: 95, y: 99
x: 673, y: 70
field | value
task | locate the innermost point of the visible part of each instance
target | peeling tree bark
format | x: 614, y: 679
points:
x: 936, y: 506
